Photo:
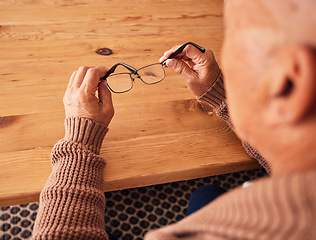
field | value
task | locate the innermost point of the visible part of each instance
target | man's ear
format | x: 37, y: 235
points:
x: 292, y: 92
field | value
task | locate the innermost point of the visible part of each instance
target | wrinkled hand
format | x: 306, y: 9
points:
x: 80, y: 99
x: 199, y: 70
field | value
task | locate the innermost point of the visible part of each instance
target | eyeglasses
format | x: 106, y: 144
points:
x: 151, y: 74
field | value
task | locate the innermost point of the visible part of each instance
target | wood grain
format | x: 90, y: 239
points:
x: 159, y: 134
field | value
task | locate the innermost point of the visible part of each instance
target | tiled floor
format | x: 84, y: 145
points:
x: 130, y: 213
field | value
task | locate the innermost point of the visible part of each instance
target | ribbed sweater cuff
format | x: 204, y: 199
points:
x: 215, y: 95
x: 86, y: 132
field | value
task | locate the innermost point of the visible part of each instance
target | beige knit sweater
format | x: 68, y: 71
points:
x: 72, y: 202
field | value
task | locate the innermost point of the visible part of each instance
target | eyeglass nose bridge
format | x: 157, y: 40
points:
x: 134, y: 75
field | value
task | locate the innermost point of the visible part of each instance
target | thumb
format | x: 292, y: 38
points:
x: 104, y: 93
x: 180, y: 67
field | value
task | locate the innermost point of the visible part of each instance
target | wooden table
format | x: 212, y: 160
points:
x: 159, y: 134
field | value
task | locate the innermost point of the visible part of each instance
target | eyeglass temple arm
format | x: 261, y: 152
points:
x: 180, y: 49
x: 112, y: 69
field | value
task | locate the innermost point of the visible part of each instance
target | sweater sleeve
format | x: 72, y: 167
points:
x: 72, y: 202
x: 216, y: 98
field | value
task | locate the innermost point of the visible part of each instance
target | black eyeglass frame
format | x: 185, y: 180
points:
x: 134, y: 71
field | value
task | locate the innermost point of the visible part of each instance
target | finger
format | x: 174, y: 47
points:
x: 92, y: 79
x: 174, y: 48
x: 80, y: 76
x: 72, y: 78
x: 184, y: 58
x: 163, y: 58
x: 190, y: 63
x: 90, y: 82
x: 102, y: 70
x: 181, y: 68
x: 188, y: 54
x: 192, y: 53
x: 168, y: 53
x: 104, y: 93
x: 195, y: 55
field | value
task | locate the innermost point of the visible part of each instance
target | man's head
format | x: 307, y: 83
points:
x: 269, y: 63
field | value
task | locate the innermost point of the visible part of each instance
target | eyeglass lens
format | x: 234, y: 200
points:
x: 151, y: 74
x: 120, y: 82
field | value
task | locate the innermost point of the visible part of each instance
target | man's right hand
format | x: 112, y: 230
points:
x: 80, y: 99
x: 199, y: 70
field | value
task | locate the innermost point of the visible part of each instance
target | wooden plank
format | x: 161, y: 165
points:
x: 25, y: 132
x: 41, y: 82
x: 160, y: 151
x: 149, y: 151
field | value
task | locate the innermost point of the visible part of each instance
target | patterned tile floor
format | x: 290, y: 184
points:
x: 130, y: 213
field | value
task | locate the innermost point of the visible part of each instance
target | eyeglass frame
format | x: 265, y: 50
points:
x: 134, y: 71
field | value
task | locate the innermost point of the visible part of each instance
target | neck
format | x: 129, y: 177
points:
x: 288, y: 166
x: 296, y: 155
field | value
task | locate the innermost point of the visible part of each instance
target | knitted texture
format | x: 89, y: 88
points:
x: 281, y: 207
x: 72, y: 202
x: 215, y: 97
x: 85, y: 132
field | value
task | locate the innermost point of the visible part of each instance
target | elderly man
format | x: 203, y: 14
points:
x: 269, y: 64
